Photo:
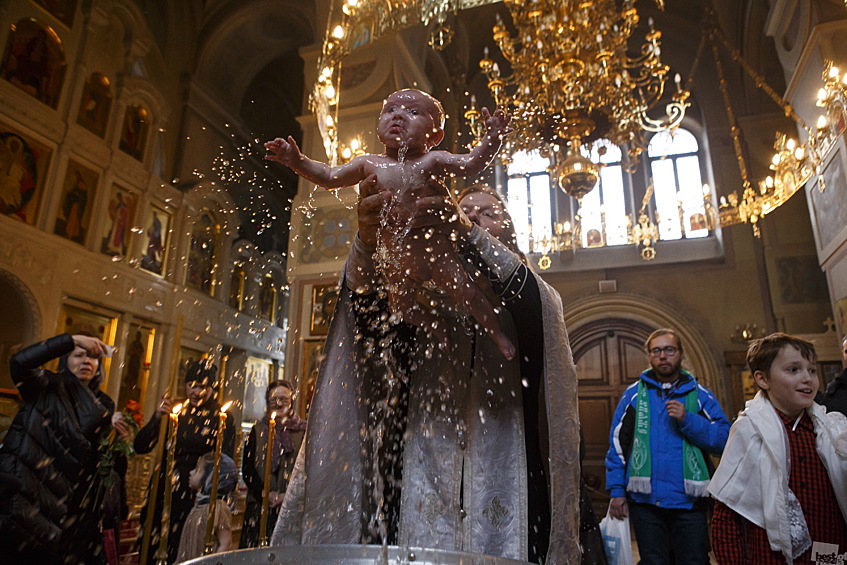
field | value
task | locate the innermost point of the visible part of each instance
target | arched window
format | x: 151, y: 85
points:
x: 677, y: 185
x: 670, y: 176
x: 605, y: 218
x: 202, y: 255
x: 528, y: 196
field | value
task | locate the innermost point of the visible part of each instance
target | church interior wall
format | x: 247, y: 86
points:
x: 720, y: 295
x: 192, y: 65
x: 58, y: 273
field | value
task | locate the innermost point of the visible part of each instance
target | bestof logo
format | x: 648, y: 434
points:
x: 827, y: 554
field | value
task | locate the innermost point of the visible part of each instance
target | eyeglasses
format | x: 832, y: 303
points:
x: 670, y: 351
x: 280, y: 399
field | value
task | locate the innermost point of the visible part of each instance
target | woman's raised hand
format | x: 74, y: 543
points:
x: 92, y: 345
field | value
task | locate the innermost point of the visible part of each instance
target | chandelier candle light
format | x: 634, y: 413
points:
x: 832, y: 97
x: 266, y: 488
x: 216, y: 473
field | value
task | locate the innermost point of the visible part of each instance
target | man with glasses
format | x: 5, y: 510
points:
x: 658, y: 467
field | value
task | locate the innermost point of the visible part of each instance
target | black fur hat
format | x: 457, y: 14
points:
x: 202, y: 372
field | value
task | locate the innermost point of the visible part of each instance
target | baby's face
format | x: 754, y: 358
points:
x: 407, y: 117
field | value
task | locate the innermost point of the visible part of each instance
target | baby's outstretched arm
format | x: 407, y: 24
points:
x: 285, y: 151
x: 470, y: 164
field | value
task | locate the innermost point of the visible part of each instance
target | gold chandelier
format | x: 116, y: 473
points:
x: 353, y: 24
x: 572, y: 81
x: 793, y: 163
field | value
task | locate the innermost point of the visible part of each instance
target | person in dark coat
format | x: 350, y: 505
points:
x: 50, y: 505
x: 197, y: 432
x: 834, y: 398
x: 590, y: 536
x: 288, y: 435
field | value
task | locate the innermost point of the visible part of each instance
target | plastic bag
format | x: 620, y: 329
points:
x: 617, y: 540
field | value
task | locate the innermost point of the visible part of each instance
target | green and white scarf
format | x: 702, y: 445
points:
x: 695, y: 472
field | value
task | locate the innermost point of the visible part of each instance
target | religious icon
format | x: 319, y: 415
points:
x: 361, y: 35
x: 594, y: 238
x: 236, y: 288
x: 121, y: 213
x: 77, y: 196
x: 34, y: 61
x: 841, y: 314
x: 324, y: 297
x: 134, y: 132
x: 697, y: 221
x: 136, y: 364
x: 62, y: 10
x: 156, y: 235
x: 311, y: 363
x: 95, y: 104
x: 258, y: 373
x: 267, y: 299
x: 23, y: 164
x: 202, y: 254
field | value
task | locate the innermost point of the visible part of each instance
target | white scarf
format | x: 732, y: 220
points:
x: 752, y: 478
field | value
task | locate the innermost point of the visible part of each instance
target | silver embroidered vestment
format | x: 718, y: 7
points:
x: 464, y: 461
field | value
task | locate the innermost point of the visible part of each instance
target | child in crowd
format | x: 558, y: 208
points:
x: 193, y: 540
x: 781, y: 486
x: 410, y: 125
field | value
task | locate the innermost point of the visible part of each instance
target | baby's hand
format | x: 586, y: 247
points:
x: 497, y: 123
x: 283, y: 151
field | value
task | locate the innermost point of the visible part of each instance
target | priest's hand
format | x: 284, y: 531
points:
x: 369, y: 208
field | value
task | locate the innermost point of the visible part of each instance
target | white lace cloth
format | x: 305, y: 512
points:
x: 752, y: 478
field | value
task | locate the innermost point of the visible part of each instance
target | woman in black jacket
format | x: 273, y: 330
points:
x: 50, y: 455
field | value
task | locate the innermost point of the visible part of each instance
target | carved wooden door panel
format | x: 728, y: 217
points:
x: 609, y: 356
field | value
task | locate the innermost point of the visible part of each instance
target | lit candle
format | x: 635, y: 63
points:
x: 266, y: 488
x: 216, y: 473
x: 162, y: 551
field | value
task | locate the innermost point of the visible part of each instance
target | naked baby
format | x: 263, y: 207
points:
x: 410, y: 125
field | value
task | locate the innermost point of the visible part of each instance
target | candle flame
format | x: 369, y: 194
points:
x: 273, y: 416
x: 226, y: 406
x: 177, y: 409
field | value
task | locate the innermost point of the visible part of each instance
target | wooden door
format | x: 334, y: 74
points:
x: 609, y: 356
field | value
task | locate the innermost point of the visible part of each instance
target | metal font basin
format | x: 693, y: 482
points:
x: 349, y: 555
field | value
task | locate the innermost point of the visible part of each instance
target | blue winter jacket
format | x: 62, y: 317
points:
x: 708, y: 429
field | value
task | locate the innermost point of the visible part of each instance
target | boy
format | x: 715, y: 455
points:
x: 781, y: 485
x: 410, y: 124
